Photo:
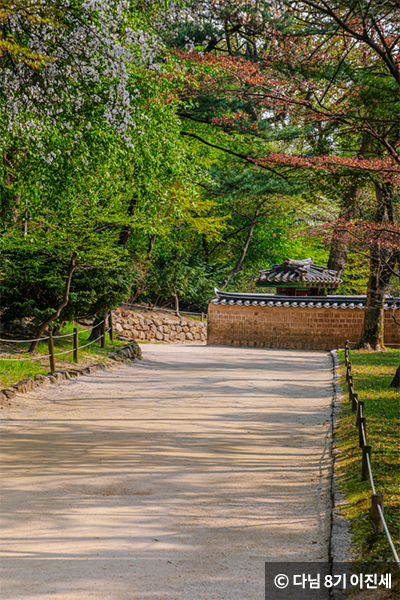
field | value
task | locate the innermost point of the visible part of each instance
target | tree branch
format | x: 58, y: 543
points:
x: 237, y: 154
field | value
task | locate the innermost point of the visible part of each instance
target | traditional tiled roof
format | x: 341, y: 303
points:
x: 278, y: 300
x: 300, y: 272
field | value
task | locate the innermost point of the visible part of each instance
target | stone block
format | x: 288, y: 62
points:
x: 9, y: 394
x: 25, y: 385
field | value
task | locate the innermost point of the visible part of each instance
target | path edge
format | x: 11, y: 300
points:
x: 127, y: 354
x: 341, y: 539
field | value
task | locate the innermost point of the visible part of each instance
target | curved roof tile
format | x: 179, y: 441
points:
x: 271, y: 300
x: 299, y: 270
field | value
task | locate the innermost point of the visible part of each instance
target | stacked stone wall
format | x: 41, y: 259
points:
x: 287, y: 327
x: 140, y: 327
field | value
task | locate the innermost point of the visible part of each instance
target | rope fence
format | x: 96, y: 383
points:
x: 26, y: 358
x: 50, y: 341
x: 26, y: 341
x: 55, y: 337
x: 377, y: 510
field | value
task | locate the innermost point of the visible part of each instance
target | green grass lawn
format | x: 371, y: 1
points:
x: 372, y: 373
x: 12, y: 372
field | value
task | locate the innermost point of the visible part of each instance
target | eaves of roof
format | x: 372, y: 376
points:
x: 279, y: 300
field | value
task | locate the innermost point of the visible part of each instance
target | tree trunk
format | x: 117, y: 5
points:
x: 395, y: 383
x: 71, y: 269
x: 338, y: 253
x: 127, y: 229
x: 382, y: 262
x: 372, y: 335
x: 176, y: 299
x: 97, y: 328
x: 124, y: 235
x: 152, y: 239
x: 238, y: 266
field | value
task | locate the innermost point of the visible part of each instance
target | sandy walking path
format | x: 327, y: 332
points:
x: 172, y: 478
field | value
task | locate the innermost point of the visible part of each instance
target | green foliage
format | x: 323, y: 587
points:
x: 68, y: 194
x: 192, y: 279
x: 34, y: 282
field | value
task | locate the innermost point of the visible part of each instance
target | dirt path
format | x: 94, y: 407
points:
x: 174, y: 478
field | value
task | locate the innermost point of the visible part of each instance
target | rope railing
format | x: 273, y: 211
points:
x: 26, y: 358
x: 93, y: 341
x: 75, y: 348
x: 55, y: 337
x: 377, y: 511
x: 26, y: 341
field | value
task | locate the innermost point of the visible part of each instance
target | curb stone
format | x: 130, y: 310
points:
x: 126, y: 354
x: 340, y: 547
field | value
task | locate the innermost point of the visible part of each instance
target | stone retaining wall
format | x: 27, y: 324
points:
x: 138, y: 327
x: 289, y: 327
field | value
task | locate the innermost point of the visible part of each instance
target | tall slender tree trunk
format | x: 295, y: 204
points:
x: 238, y: 267
x: 338, y: 252
x: 372, y: 337
x: 54, y: 316
x: 382, y: 261
x: 152, y: 240
x: 126, y: 230
x: 176, y: 302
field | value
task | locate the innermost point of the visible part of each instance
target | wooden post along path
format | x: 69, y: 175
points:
x: 110, y: 324
x: 76, y: 345
x: 103, y: 332
x: 51, y: 352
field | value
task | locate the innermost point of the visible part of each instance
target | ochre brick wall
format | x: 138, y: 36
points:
x: 281, y: 327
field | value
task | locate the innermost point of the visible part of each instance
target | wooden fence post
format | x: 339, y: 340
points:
x: 348, y: 371
x: 376, y: 519
x: 361, y: 426
x: 51, y: 352
x: 351, y: 394
x: 360, y: 411
x: 354, y: 402
x: 110, y: 324
x: 103, y: 332
x: 350, y: 381
x: 202, y: 317
x: 76, y: 345
x: 364, y: 467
